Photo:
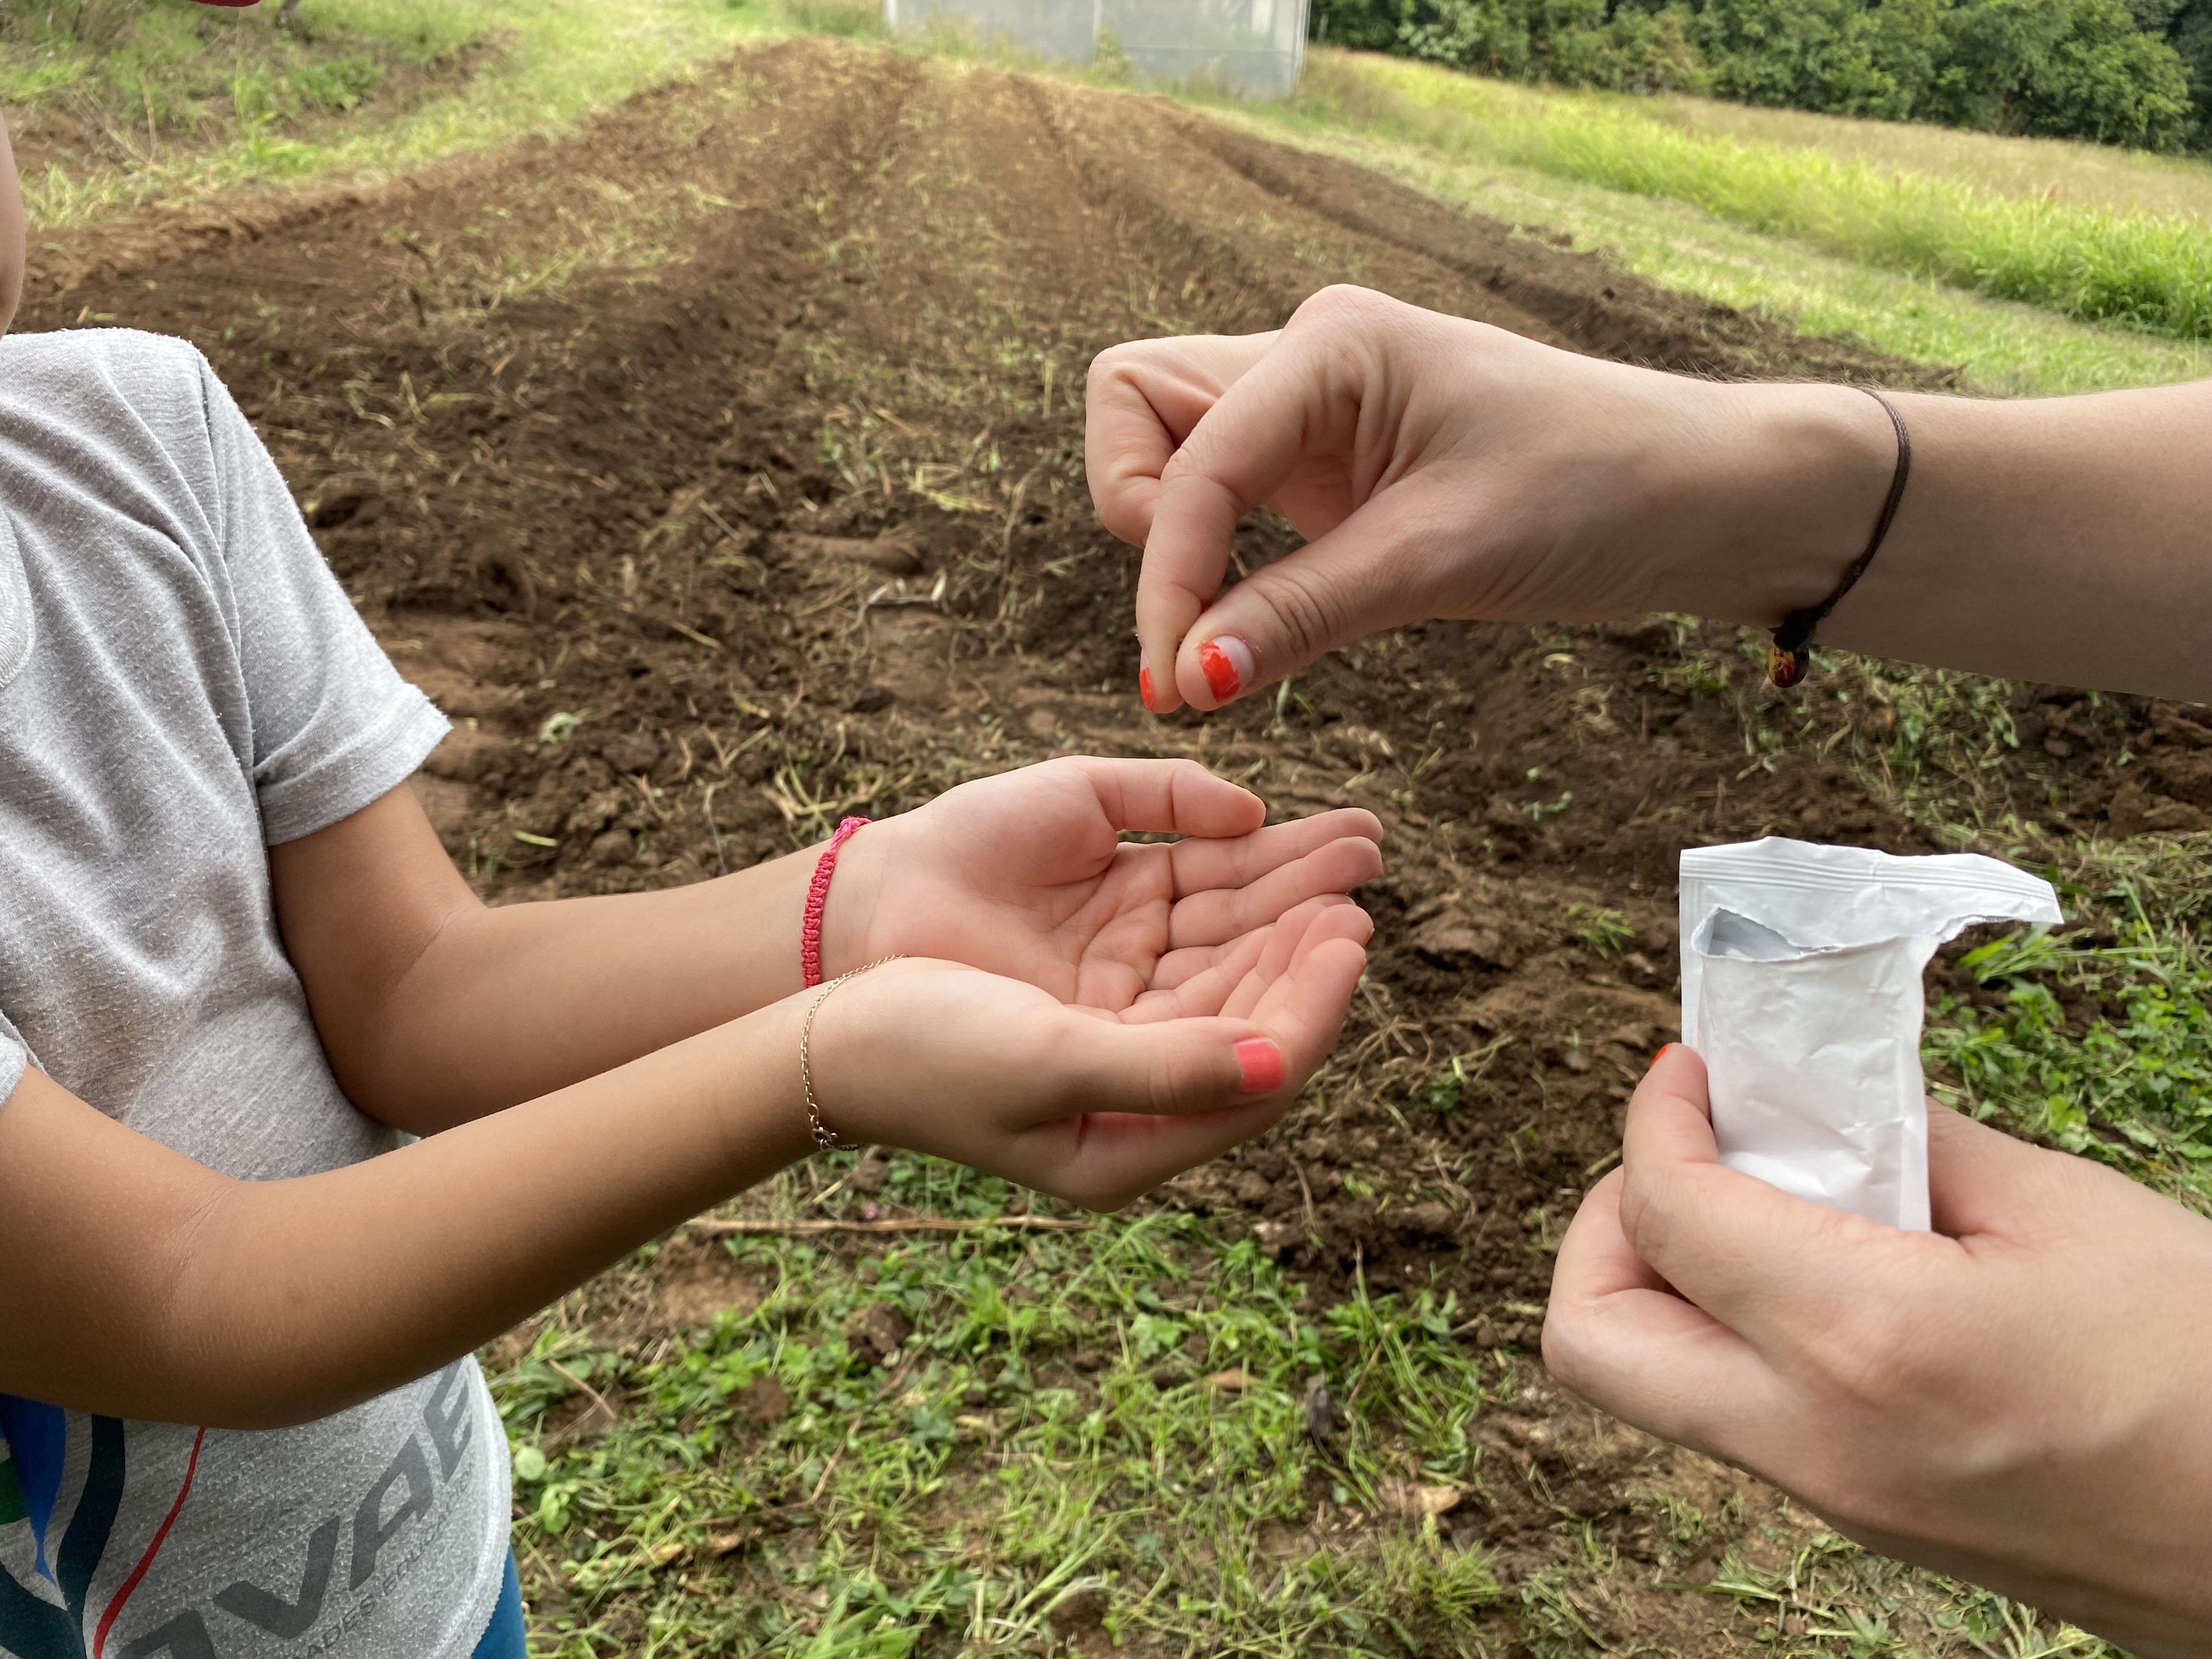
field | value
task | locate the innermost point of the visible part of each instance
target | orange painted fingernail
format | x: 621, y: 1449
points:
x: 1661, y: 1054
x: 1259, y: 1066
x: 1226, y: 662
x: 1145, y: 678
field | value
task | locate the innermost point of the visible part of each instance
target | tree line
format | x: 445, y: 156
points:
x: 2135, y: 72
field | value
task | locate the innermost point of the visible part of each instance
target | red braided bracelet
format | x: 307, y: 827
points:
x: 817, y: 895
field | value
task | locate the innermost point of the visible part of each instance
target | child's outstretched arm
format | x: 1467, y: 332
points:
x: 435, y: 1009
x: 144, y: 1286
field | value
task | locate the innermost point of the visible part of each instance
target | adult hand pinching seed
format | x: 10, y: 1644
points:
x: 2015, y: 1395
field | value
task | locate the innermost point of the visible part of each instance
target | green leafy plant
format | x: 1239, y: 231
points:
x: 1608, y: 933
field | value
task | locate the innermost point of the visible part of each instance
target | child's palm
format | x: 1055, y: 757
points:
x: 1093, y: 1105
x: 1026, y: 875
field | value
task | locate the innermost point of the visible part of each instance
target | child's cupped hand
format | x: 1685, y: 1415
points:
x: 1025, y: 875
x: 1093, y: 1105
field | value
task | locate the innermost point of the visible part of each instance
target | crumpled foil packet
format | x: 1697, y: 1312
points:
x: 1801, y: 992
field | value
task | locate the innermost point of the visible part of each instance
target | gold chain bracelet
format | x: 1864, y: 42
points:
x: 825, y: 1137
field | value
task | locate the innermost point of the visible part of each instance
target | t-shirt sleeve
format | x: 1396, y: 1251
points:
x: 334, y: 726
x: 13, y: 1059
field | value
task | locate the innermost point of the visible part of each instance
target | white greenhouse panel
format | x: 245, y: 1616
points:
x: 1255, y: 47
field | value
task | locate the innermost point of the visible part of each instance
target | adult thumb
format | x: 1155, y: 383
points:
x: 1285, y: 427
x: 1341, y: 587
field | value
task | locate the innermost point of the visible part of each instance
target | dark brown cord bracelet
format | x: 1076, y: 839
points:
x: 1792, y: 652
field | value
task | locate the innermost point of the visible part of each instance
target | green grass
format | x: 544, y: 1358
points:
x: 2147, y: 272
x: 1122, y: 1410
x: 2000, y: 347
x: 1350, y: 106
x: 1120, y: 1415
x: 2102, y: 1049
x: 149, y: 71
x: 2065, y: 168
x: 248, y: 101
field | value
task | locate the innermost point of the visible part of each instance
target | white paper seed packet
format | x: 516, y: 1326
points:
x: 1801, y: 991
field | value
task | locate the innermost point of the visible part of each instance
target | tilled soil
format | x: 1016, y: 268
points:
x: 719, y: 471
x: 722, y: 467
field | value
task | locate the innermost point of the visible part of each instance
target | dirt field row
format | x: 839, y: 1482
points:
x: 719, y: 471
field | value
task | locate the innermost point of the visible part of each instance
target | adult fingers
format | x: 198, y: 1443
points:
x: 1200, y: 864
x: 1178, y: 797
x: 1619, y: 1336
x: 1758, y: 1260
x: 1143, y: 398
x: 1382, y: 567
x: 1983, y: 1183
x: 1323, y: 418
x: 1227, y: 912
x: 1249, y: 444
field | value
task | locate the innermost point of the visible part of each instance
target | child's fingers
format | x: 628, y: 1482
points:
x: 1271, y: 991
x: 1299, y: 989
x: 1113, y: 1157
x: 1224, y: 913
x: 1199, y: 981
x: 1156, y: 1068
x: 1202, y: 864
x: 1167, y: 797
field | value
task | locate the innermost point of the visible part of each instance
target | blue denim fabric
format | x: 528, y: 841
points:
x: 503, y: 1637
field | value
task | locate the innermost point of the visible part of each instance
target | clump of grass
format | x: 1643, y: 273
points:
x: 2146, y: 271
x: 145, y: 72
x: 1137, y: 1413
x: 1607, y: 932
x: 851, y: 18
x: 1997, y: 345
x: 2100, y: 1041
x: 236, y: 100
x: 2071, y: 168
x: 1145, y: 1420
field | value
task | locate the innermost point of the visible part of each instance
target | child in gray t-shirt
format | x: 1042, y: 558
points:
x: 237, y: 1407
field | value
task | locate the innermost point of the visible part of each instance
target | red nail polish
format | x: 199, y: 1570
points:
x: 1145, y: 685
x: 1226, y: 662
x: 1259, y: 1066
x: 1661, y: 1054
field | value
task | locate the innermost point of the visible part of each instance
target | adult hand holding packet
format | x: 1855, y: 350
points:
x: 1801, y: 991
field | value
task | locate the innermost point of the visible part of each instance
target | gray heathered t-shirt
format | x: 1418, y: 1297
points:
x: 182, y: 682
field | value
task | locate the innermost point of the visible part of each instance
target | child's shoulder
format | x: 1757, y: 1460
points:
x: 90, y: 366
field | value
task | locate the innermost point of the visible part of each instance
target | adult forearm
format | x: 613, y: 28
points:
x: 269, y: 1303
x: 2062, y: 539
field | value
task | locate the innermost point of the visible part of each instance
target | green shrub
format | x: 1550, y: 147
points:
x: 2075, y: 69
x: 2136, y: 73
x: 1361, y: 25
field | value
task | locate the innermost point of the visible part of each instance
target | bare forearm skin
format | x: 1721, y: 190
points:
x: 435, y: 1009
x: 2060, y: 540
x: 267, y: 1304
x: 513, y: 1002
